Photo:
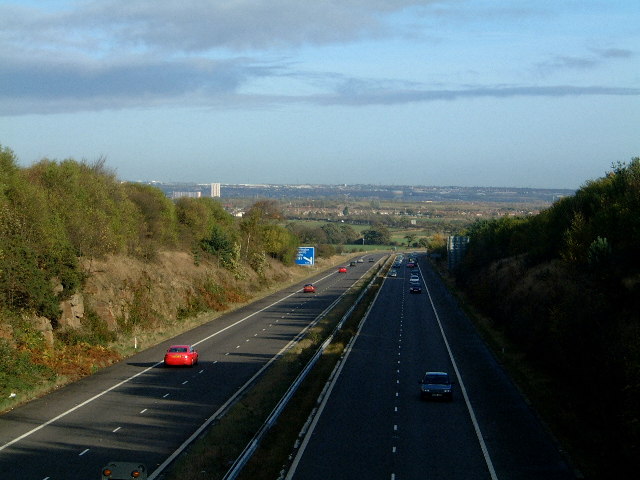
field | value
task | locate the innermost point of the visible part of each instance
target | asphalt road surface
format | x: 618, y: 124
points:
x: 375, y: 426
x: 140, y: 411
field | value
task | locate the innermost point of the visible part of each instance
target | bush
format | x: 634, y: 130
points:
x: 93, y: 331
x: 18, y: 372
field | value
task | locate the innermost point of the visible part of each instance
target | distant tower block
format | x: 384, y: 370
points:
x: 215, y: 190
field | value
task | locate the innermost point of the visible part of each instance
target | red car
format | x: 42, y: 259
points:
x: 181, y: 355
x: 342, y: 270
x: 309, y: 288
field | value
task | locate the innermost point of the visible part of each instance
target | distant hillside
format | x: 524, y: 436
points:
x: 411, y: 193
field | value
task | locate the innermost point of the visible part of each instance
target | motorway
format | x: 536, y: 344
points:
x: 373, y: 424
x: 140, y: 411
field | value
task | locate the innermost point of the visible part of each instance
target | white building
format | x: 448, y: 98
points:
x: 215, y: 190
x: 175, y: 195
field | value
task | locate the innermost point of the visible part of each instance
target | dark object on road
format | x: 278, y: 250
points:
x: 436, y: 385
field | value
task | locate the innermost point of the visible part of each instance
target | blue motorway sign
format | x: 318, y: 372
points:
x: 306, y: 256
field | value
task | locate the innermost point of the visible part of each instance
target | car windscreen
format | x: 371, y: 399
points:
x: 437, y: 379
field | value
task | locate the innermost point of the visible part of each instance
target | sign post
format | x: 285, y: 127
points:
x: 306, y: 256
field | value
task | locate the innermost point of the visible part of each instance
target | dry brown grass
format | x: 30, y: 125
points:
x: 170, y: 279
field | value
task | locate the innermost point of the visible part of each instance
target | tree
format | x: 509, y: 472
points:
x: 308, y: 235
x: 333, y: 233
x: 158, y: 226
x: 197, y: 216
x: 35, y: 252
x: 348, y: 233
x: 261, y: 235
x: 221, y: 242
x: 264, y: 210
x: 378, y: 235
x: 279, y: 243
x: 410, y: 237
x: 98, y: 216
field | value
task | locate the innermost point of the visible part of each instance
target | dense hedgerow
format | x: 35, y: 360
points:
x: 564, y: 286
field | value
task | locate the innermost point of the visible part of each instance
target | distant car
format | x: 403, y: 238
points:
x: 411, y: 265
x: 352, y: 264
x: 436, y: 385
x: 414, y: 279
x: 415, y: 288
x: 393, y: 273
x: 342, y: 270
x: 309, y: 288
x: 360, y: 260
x: 370, y: 259
x: 181, y: 355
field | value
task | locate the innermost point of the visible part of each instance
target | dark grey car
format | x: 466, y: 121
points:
x: 436, y: 385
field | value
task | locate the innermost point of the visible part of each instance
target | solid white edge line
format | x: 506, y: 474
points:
x: 476, y: 426
x: 126, y: 380
x: 77, y: 407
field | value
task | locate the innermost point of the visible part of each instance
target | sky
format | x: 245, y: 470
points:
x: 492, y: 93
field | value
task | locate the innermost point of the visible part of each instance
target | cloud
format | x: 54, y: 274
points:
x: 586, y: 62
x: 198, y: 26
x: 389, y: 97
x: 115, y: 54
x: 56, y: 87
x: 204, y: 83
x: 563, y: 62
x: 613, y: 53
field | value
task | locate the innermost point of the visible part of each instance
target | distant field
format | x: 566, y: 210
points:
x: 432, y: 221
x: 398, y: 239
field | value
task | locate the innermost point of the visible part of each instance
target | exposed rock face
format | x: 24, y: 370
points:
x: 109, y: 311
x: 117, y: 286
x: 72, y: 312
x: 43, y: 325
x: 120, y: 289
